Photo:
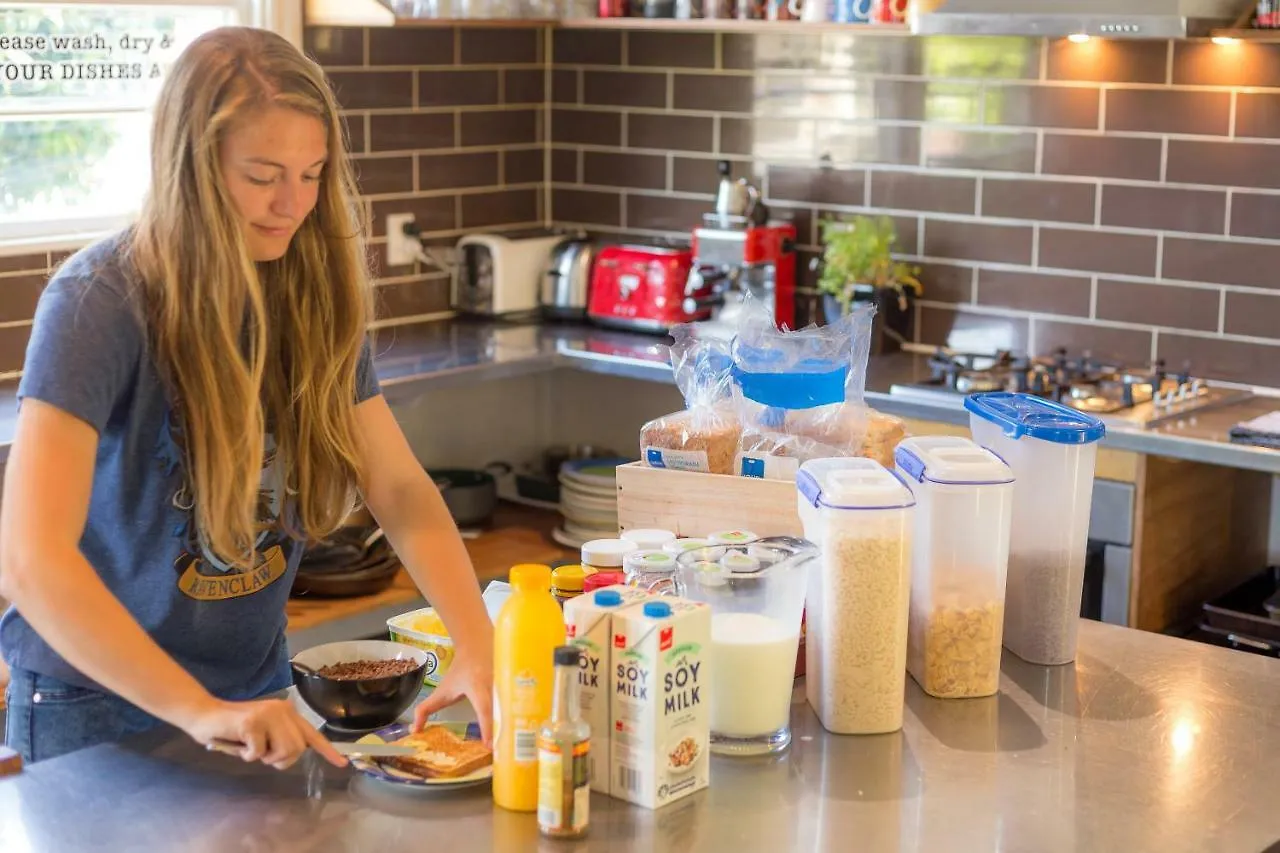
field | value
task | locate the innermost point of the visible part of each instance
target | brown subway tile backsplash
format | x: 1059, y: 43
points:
x: 1258, y: 114
x: 492, y: 46
x: 485, y: 210
x: 1253, y: 314
x: 523, y: 166
x: 737, y: 135
x: 1194, y: 308
x: 1222, y: 262
x: 19, y: 295
x: 423, y: 295
x: 564, y: 165
x: 499, y: 127
x: 1239, y: 164
x: 1053, y: 201
x: 586, y: 207
x: 1255, y: 215
x: 973, y: 241
x: 457, y: 88
x: 1036, y: 292
x: 456, y: 171
x: 586, y: 47
x: 334, y: 45
x: 1126, y: 346
x: 639, y: 171
x: 354, y: 124
x: 1108, y: 61
x: 411, y: 131
x: 699, y: 175
x: 1098, y: 251
x: 1102, y: 156
x: 715, y: 92
x: 947, y: 283
x: 820, y: 186
x: 586, y: 127
x: 368, y: 90
x: 381, y: 175
x: 1075, y: 107
x: 670, y: 132
x: 671, y: 50
x: 565, y: 86
x: 1169, y: 111
x: 410, y: 46
x: 962, y: 329
x: 524, y: 86
x: 1235, y: 361
x: 625, y: 89
x: 847, y: 143
x: 1164, y: 208
x: 24, y: 263
x: 664, y: 213
x: 933, y: 193
x: 1202, y: 63
x: 432, y: 214
x: 945, y: 148
x: 13, y: 347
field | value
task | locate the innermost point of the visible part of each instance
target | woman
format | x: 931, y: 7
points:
x: 198, y: 402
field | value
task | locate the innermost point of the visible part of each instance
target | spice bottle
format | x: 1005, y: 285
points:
x: 564, y: 744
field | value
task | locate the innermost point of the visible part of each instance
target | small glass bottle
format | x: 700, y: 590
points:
x: 564, y: 742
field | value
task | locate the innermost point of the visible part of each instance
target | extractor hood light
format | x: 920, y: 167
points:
x: 1224, y: 40
x: 1078, y: 38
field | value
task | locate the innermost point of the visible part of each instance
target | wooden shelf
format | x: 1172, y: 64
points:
x: 1250, y: 34
x: 726, y: 25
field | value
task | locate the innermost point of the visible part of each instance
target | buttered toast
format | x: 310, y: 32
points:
x: 441, y: 754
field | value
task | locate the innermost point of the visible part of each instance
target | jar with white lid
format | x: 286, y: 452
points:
x: 860, y: 515
x: 677, y: 547
x: 651, y: 570
x: 960, y: 553
x: 1052, y: 450
x: 649, y: 539
x: 606, y: 553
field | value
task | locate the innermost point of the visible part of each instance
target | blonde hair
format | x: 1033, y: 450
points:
x: 250, y: 348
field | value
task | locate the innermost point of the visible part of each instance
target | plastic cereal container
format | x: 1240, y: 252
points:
x: 1052, y: 450
x: 860, y: 515
x: 960, y: 552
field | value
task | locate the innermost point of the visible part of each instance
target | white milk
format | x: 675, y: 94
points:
x: 661, y: 721
x: 755, y: 663
x: 589, y: 626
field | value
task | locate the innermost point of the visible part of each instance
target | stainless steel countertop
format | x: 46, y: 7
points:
x: 1146, y: 743
x: 411, y: 357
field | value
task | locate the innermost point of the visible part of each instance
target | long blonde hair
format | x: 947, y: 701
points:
x: 250, y: 348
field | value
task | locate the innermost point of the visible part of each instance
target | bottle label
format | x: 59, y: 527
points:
x: 550, y: 784
x: 564, y: 794
x: 525, y: 718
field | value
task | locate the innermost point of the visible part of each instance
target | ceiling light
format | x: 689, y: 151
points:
x: 1078, y: 38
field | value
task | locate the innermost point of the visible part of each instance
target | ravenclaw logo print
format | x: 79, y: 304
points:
x: 201, y: 575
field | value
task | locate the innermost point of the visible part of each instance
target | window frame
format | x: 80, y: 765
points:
x: 281, y: 16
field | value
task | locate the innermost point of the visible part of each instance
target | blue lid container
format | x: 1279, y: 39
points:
x: 1020, y: 415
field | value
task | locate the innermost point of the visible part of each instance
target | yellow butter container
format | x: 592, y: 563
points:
x: 425, y: 630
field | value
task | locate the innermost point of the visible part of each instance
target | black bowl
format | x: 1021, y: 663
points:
x: 359, y: 704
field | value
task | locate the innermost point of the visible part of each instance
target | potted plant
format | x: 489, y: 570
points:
x: 857, y: 265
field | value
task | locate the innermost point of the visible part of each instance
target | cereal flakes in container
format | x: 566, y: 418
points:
x: 960, y: 552
x: 860, y: 516
x: 1052, y: 450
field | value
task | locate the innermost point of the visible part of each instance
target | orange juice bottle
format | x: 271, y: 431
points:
x: 529, y: 628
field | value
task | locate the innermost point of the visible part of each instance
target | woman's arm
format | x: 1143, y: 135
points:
x: 412, y: 513
x: 48, y: 480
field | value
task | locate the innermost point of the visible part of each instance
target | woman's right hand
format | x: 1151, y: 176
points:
x: 271, y: 730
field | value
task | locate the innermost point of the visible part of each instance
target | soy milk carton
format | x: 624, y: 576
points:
x: 661, y: 695
x: 589, y: 625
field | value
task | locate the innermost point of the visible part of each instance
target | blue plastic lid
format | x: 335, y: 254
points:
x: 799, y: 390
x: 657, y: 609
x: 1025, y: 414
x: 608, y: 598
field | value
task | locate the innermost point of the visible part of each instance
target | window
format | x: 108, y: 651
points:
x: 77, y: 84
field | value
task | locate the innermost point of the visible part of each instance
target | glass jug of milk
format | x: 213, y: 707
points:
x: 756, y: 592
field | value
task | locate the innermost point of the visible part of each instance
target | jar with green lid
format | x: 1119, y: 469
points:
x: 567, y: 581
x: 732, y: 537
x: 652, y: 571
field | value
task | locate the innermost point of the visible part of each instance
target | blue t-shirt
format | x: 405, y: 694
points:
x: 88, y: 356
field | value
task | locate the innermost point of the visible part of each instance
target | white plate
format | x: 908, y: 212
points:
x: 565, y: 539
x: 408, y: 781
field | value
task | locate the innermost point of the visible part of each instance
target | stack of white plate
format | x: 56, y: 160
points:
x: 588, y: 501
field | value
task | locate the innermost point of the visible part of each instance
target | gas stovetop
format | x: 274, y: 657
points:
x: 1115, y: 393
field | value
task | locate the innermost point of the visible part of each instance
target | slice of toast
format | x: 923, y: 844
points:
x: 441, y: 754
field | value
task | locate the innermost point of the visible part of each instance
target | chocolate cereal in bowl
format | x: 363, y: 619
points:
x: 359, y: 685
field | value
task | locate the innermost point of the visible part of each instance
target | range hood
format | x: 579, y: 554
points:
x: 1158, y: 19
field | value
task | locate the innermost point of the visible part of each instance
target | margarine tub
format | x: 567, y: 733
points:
x: 425, y: 630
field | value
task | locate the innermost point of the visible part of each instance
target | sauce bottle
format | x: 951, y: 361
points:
x: 564, y: 745
x: 528, y: 630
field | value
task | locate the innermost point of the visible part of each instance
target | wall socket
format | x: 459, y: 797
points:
x: 402, y: 249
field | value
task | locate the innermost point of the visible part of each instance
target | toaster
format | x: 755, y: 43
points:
x: 498, y: 275
x: 645, y: 288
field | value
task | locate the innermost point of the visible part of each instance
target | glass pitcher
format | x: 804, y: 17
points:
x: 756, y: 592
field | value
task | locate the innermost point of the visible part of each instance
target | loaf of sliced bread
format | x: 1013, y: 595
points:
x: 441, y: 754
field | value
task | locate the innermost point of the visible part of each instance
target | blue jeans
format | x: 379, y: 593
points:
x: 48, y: 717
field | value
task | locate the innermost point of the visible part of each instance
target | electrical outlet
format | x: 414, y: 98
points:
x: 402, y: 249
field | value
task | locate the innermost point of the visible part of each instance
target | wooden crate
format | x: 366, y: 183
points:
x: 692, y: 504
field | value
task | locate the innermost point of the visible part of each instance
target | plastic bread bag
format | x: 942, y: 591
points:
x: 703, y: 437
x: 799, y: 394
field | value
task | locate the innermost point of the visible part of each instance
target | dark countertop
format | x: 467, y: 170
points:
x: 1146, y: 743
x: 458, y: 352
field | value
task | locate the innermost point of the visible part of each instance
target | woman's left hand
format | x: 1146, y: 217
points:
x: 471, y: 675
